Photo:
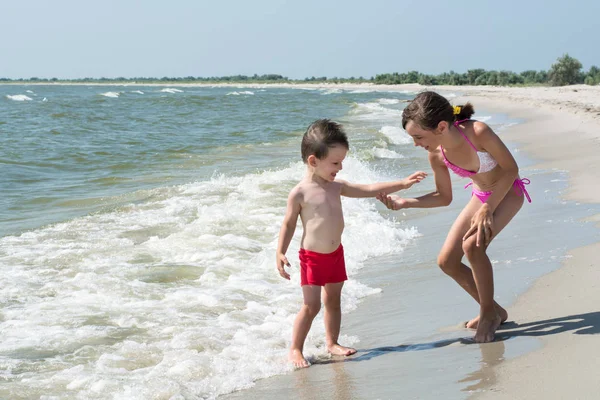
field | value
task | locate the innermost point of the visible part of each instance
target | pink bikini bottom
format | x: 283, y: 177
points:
x: 519, y: 186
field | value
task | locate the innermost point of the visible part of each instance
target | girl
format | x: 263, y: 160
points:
x: 470, y: 149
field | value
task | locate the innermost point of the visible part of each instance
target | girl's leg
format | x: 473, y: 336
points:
x: 483, y: 275
x: 452, y: 252
x: 332, y: 293
x: 302, y: 323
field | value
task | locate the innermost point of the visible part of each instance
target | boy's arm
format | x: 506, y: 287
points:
x: 371, y: 190
x: 287, y: 231
x: 442, y: 196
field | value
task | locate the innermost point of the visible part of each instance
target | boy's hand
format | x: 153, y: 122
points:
x: 414, y: 178
x: 281, y: 261
x: 393, y: 202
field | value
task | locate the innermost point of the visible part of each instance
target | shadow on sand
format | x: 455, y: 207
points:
x: 581, y: 324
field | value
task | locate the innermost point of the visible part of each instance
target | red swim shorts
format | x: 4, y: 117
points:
x: 319, y: 269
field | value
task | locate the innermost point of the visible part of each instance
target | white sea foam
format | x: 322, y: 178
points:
x: 389, y: 101
x: 244, y: 92
x: 177, y: 296
x: 385, y: 153
x: 330, y: 91
x: 18, y: 97
x: 171, y: 90
x: 376, y: 111
x: 396, y: 135
x: 361, y: 91
x: 110, y: 94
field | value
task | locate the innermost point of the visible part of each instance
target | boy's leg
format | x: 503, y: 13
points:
x: 332, y: 293
x: 302, y: 323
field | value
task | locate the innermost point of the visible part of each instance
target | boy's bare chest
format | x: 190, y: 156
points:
x: 323, y: 202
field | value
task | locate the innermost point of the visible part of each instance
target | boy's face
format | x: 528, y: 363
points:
x: 328, y: 167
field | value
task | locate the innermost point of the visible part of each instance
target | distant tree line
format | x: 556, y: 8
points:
x: 266, y: 78
x: 566, y: 71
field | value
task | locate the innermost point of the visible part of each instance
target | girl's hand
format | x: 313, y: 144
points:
x: 414, y: 178
x: 281, y: 262
x: 393, y: 202
x: 481, y: 225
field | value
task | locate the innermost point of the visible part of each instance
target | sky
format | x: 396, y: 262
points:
x: 297, y: 39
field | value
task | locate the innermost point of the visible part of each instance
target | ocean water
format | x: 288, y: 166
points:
x: 138, y: 228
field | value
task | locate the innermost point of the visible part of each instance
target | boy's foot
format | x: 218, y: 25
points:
x: 486, y: 329
x: 472, y: 324
x: 338, y: 350
x: 298, y: 359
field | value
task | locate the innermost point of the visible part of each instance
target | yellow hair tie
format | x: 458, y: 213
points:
x: 457, y: 109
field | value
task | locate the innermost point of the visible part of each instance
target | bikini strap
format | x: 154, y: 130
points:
x: 462, y: 133
x: 444, y: 154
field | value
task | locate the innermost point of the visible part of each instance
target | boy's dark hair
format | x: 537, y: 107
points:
x: 428, y: 109
x: 320, y: 136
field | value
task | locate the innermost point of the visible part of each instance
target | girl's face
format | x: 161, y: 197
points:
x: 328, y: 167
x: 430, y: 140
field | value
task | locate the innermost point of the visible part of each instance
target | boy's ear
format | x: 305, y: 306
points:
x: 312, y: 160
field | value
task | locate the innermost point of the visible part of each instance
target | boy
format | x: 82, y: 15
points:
x: 317, y: 200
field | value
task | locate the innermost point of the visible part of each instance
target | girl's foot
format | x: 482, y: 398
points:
x: 486, y: 328
x: 472, y: 324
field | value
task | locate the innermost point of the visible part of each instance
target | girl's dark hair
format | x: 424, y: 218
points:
x: 428, y: 109
x: 320, y: 136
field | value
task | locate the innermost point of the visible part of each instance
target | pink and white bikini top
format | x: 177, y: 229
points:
x: 486, y: 161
